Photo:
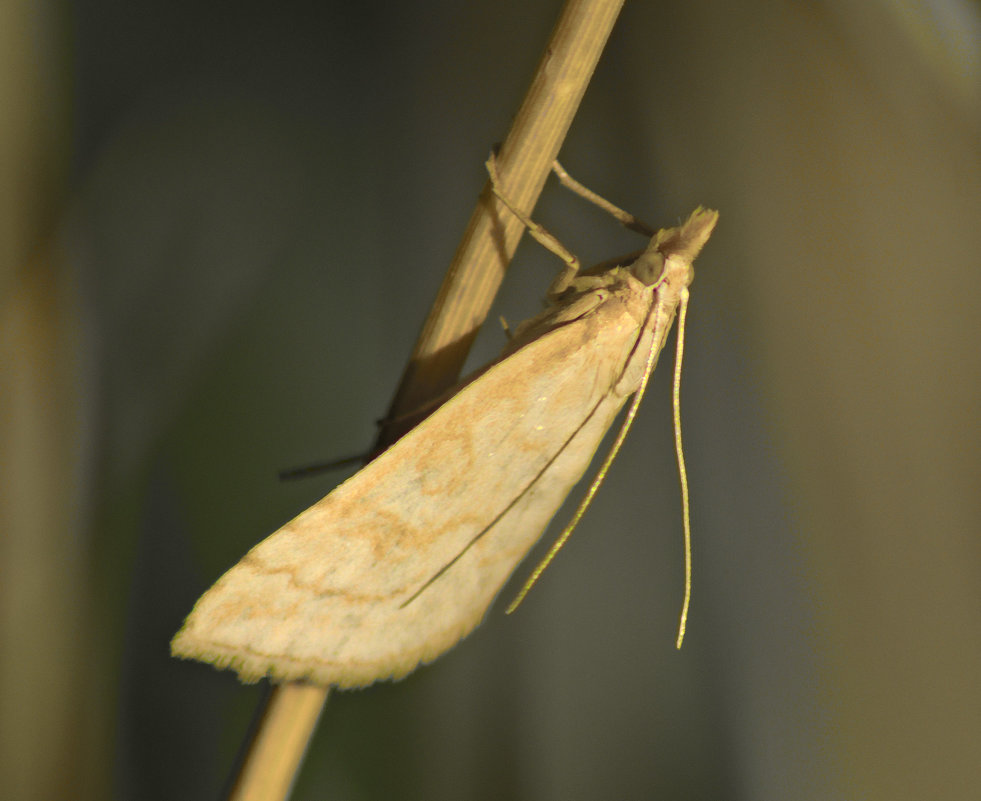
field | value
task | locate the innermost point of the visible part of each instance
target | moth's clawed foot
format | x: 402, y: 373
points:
x: 498, y: 190
x: 491, y: 165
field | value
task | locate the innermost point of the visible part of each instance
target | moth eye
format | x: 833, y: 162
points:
x: 648, y: 267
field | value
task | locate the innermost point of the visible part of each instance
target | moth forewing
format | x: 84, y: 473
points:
x: 473, y: 487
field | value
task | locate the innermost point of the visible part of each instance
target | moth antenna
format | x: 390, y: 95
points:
x: 596, y: 482
x: 679, y: 451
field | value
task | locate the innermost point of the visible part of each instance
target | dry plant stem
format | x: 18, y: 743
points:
x: 474, y: 275
x: 492, y: 235
x: 281, y: 738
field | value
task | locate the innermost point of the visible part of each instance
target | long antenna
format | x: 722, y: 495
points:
x: 679, y: 451
x: 597, y: 480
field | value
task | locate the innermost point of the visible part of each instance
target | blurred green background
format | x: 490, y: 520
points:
x: 222, y: 225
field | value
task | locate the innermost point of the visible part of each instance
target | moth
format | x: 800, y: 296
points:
x: 403, y: 559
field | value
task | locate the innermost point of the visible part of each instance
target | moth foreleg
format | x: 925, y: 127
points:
x: 624, y: 217
x: 540, y: 235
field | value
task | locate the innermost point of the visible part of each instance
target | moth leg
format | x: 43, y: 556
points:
x: 624, y: 217
x: 323, y: 467
x: 540, y: 235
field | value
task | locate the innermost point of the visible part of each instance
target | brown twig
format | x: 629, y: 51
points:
x: 471, y: 282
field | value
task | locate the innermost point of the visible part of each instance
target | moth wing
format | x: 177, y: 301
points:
x: 322, y: 598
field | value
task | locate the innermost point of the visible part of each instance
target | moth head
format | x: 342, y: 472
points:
x: 675, y: 247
